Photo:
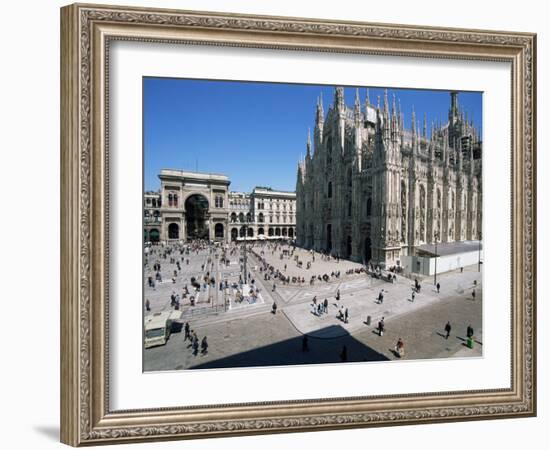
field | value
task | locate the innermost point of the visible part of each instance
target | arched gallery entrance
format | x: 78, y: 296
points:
x: 196, y: 211
x: 173, y: 231
x: 218, y: 231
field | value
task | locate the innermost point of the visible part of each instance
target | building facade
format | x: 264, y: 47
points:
x: 372, y: 190
x: 193, y: 205
x: 152, y: 222
x: 265, y: 213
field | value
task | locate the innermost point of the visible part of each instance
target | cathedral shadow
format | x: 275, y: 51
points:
x: 292, y: 352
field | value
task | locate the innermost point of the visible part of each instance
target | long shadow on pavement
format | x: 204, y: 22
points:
x: 292, y: 352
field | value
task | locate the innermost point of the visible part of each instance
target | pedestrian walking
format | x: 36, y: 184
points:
x: 186, y: 329
x: 381, y: 327
x: 469, y: 331
x: 274, y: 308
x: 325, y: 306
x: 204, y: 346
x: 346, y: 315
x: 305, y: 346
x: 400, y: 348
x: 447, y: 330
x: 338, y: 295
x: 344, y: 354
x: 438, y: 286
x: 413, y: 295
x: 341, y: 313
x: 147, y: 305
x: 473, y: 294
x: 381, y: 297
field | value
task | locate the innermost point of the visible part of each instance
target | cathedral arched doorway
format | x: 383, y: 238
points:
x: 218, y: 231
x: 173, y: 231
x: 329, y: 238
x: 196, y: 211
x: 368, y: 251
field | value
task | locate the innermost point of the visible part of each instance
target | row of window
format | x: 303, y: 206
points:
x: 153, y: 202
x: 218, y: 202
x: 277, y: 205
x: 261, y: 218
x: 173, y: 200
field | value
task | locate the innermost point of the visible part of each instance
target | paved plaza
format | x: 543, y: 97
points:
x: 236, y: 315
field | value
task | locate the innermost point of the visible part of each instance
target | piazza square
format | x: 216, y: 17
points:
x: 369, y: 249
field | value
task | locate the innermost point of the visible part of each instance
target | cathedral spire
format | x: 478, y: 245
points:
x: 446, y: 147
x: 339, y: 98
x: 357, y: 103
x: 367, y: 100
x: 308, y: 145
x: 471, y: 161
x: 320, y: 112
x: 319, y: 121
x: 386, y: 106
x: 413, y: 120
x: 425, y: 129
x: 401, y: 118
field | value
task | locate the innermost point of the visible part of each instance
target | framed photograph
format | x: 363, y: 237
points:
x: 280, y: 224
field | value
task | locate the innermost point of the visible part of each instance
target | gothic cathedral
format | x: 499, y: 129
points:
x: 372, y: 191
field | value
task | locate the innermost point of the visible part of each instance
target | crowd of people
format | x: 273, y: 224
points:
x: 270, y: 261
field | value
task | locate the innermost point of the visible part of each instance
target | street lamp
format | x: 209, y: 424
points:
x: 479, y: 254
x: 245, y: 226
x: 436, y: 236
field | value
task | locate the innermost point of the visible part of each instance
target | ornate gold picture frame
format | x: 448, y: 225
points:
x: 87, y: 31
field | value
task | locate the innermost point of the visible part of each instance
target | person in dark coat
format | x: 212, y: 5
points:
x: 447, y: 330
x: 438, y: 287
x: 381, y: 327
x: 204, y: 346
x: 195, y: 345
x: 187, y: 335
x: 469, y: 331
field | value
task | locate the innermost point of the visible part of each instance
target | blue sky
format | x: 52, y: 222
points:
x: 254, y: 133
